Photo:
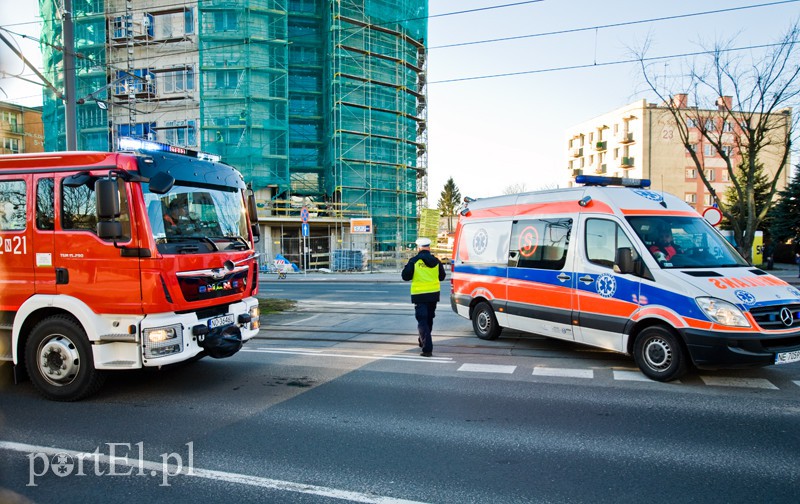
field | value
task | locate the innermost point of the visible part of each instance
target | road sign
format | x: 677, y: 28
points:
x: 712, y: 215
x: 304, y: 228
x: 304, y: 215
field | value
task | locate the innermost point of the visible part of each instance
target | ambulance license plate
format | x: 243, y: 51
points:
x: 787, y: 357
x: 220, y: 321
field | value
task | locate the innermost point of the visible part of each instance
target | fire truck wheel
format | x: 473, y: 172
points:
x: 484, y: 322
x: 659, y: 354
x: 59, y: 360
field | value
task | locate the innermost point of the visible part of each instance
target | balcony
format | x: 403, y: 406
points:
x: 626, y: 138
x: 577, y: 152
x: 600, y: 169
x: 626, y: 163
x: 577, y: 172
x: 601, y: 146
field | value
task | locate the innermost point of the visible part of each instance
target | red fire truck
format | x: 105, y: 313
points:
x: 110, y: 261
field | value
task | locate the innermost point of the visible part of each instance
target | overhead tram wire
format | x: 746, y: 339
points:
x: 607, y: 63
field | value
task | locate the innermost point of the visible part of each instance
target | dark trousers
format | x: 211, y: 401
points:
x: 424, y: 312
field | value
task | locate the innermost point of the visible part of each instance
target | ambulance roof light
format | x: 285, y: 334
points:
x: 596, y: 180
x: 136, y: 144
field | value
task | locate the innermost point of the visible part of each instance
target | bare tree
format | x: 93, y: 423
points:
x: 742, y: 109
x: 516, y: 188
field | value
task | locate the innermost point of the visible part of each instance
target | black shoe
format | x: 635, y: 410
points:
x: 426, y: 354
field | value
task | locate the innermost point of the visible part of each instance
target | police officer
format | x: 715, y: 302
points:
x: 425, y: 272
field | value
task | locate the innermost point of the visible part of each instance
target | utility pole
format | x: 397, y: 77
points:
x: 70, y: 116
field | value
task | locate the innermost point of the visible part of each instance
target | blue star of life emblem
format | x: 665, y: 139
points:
x: 606, y: 285
x: 651, y: 195
x: 480, y: 241
x: 745, y: 297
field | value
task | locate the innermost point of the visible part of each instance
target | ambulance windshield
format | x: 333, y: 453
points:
x: 197, y: 220
x: 685, y: 242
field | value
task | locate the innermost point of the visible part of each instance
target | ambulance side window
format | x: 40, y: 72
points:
x: 484, y: 243
x: 12, y: 205
x: 539, y: 243
x: 603, y: 239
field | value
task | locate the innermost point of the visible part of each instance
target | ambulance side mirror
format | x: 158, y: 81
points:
x: 624, y: 260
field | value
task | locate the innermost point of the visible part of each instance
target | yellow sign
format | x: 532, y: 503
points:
x: 360, y: 226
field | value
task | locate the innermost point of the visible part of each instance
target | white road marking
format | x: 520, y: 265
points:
x: 623, y: 375
x: 172, y: 471
x: 796, y: 382
x: 487, y: 368
x: 407, y: 358
x: 563, y: 372
x: 303, y: 320
x: 721, y: 381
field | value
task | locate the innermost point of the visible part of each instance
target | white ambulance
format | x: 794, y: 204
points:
x: 617, y: 266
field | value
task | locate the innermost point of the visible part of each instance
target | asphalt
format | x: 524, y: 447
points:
x: 786, y: 272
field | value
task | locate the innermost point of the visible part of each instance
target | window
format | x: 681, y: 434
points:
x: 727, y: 150
x: 710, y: 174
x: 181, y: 132
x: 45, y: 205
x: 725, y: 176
x: 484, y: 243
x: 708, y: 150
x: 727, y: 127
x: 591, y: 138
x: 691, y: 122
x: 691, y: 173
x: 178, y: 80
x: 708, y: 200
x: 616, y: 153
x: 139, y: 130
x: 539, y: 243
x: 693, y: 147
x: 226, y: 79
x: 690, y: 198
x: 11, y: 145
x: 78, y: 208
x: 603, y: 239
x: 12, y: 205
x: 710, y: 125
x: 226, y: 21
x: 616, y: 129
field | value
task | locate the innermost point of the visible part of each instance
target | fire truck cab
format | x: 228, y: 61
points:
x: 112, y: 261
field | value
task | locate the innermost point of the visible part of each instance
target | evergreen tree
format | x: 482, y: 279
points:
x: 449, y: 202
x: 761, y: 188
x: 786, y: 212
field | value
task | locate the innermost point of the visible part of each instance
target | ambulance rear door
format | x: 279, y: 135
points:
x: 605, y: 298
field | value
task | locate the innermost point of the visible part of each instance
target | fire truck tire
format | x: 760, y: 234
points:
x: 484, y: 322
x: 59, y: 360
x: 659, y: 354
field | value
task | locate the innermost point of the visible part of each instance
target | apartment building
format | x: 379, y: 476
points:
x: 640, y: 140
x: 20, y: 129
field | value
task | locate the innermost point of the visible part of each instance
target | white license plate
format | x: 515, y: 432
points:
x: 220, y: 321
x: 787, y: 357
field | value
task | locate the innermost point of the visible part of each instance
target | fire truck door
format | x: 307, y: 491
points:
x: 91, y: 269
x: 16, y: 247
x: 43, y: 233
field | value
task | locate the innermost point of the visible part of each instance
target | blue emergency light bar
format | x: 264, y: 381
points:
x: 596, y: 180
x: 135, y: 144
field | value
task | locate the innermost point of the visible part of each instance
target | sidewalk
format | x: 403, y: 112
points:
x: 786, y: 272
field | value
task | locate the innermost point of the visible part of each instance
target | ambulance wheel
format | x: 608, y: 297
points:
x: 659, y: 354
x: 59, y: 360
x: 484, y: 322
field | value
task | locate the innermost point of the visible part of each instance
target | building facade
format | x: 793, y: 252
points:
x: 20, y: 129
x: 319, y: 103
x: 640, y: 140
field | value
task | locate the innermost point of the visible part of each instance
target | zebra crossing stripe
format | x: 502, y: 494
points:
x: 563, y: 372
x: 487, y: 368
x: 721, y: 381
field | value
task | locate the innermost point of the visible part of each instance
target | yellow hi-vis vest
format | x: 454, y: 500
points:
x: 425, y: 279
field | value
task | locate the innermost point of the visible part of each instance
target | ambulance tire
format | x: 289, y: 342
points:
x: 59, y: 360
x: 659, y: 354
x: 484, y: 323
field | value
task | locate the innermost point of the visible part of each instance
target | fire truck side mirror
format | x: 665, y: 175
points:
x: 107, y: 203
x: 161, y: 183
x: 252, y: 212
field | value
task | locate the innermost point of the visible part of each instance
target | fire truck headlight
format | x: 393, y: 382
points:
x: 255, y: 312
x: 161, y: 341
x: 722, y: 312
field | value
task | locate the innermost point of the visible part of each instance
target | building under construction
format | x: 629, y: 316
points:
x: 319, y: 103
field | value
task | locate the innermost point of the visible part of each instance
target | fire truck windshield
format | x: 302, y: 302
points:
x: 193, y: 219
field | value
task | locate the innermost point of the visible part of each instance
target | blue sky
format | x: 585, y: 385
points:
x: 494, y: 132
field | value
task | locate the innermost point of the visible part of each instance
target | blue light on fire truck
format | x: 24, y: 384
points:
x: 136, y: 144
x: 596, y: 180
